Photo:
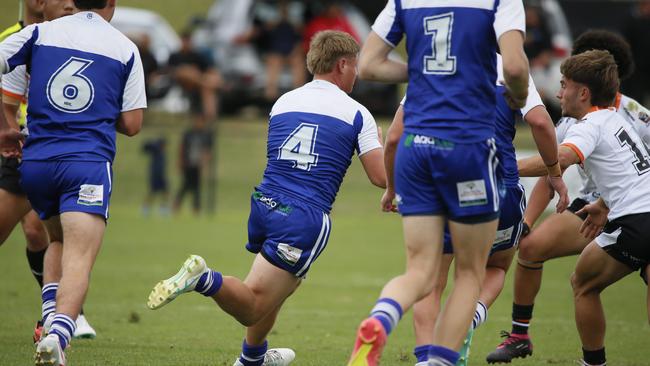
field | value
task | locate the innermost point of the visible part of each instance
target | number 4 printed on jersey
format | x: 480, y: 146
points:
x: 299, y: 147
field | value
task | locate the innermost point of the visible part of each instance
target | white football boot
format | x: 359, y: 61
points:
x: 183, y: 281
x: 275, y: 357
x: 49, y: 352
x: 84, y: 330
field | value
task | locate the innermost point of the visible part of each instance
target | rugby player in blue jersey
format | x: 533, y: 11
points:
x: 313, y: 133
x: 445, y: 174
x: 81, y: 93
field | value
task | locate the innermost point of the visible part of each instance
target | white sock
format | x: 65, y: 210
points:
x: 480, y: 315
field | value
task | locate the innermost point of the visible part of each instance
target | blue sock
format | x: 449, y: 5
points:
x: 253, y: 356
x: 388, y: 312
x: 63, y: 326
x: 441, y: 356
x: 209, y: 283
x: 48, y: 295
x: 422, y: 352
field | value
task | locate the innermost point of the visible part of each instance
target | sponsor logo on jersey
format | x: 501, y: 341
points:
x: 91, y: 195
x: 290, y: 255
x: 421, y: 140
x: 272, y: 204
x: 472, y: 193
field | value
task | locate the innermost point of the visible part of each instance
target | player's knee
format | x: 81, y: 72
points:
x: 530, y: 265
x: 582, y: 286
x: 530, y: 251
x: 36, y: 238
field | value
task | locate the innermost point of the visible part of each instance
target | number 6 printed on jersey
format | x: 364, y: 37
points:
x: 68, y: 90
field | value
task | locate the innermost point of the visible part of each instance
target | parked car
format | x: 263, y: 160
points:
x: 163, y: 41
x: 548, y: 80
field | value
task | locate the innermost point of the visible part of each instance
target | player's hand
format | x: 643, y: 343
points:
x: 387, y: 199
x: 514, y: 102
x: 557, y: 185
x: 11, y: 143
x: 595, y: 221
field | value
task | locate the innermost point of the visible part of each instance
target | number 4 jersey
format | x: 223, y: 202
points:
x: 614, y: 156
x: 84, y: 73
x: 313, y: 133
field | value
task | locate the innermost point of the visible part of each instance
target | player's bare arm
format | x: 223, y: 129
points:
x: 515, y: 67
x: 10, y: 107
x: 596, y: 218
x: 374, y: 63
x: 130, y: 122
x: 390, y: 148
x: 373, y: 164
x: 535, y: 167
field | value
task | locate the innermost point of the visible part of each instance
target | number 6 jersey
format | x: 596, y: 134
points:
x: 615, y: 158
x: 84, y: 73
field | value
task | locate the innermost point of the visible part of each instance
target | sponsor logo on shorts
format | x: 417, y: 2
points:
x: 272, y: 204
x: 288, y: 254
x: 503, y: 236
x: 91, y: 195
x: 421, y: 140
x: 472, y: 193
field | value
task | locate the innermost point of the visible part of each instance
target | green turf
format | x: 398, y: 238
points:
x: 319, y: 321
x: 177, y: 12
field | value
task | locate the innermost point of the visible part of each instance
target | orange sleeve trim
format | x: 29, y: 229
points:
x: 13, y: 95
x: 575, y: 150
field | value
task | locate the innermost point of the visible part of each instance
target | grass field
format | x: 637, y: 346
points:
x: 319, y: 321
x: 176, y: 12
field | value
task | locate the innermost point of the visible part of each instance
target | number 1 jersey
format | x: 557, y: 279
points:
x: 451, y: 48
x: 313, y: 133
x: 84, y: 73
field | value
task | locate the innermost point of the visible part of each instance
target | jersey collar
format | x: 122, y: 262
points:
x: 615, y: 107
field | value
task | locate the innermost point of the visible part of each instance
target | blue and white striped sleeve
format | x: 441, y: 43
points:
x: 16, y: 49
x: 388, y: 25
x: 368, y: 137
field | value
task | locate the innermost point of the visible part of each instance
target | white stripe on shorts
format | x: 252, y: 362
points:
x: 493, y: 163
x: 110, y: 185
x: 324, y: 232
x: 522, y: 209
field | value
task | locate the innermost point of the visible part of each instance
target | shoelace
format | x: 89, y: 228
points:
x: 272, y: 356
x: 509, y: 339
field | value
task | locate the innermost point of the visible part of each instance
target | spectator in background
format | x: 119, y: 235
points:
x: 198, y: 77
x: 331, y: 18
x: 637, y: 32
x: 149, y: 65
x: 283, y: 49
x: 538, y: 44
x: 158, y: 187
x: 195, y: 156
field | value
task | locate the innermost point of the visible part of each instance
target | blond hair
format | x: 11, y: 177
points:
x: 598, y: 71
x: 327, y: 47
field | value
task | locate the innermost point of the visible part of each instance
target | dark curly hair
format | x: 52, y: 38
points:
x: 90, y: 4
x: 599, y: 39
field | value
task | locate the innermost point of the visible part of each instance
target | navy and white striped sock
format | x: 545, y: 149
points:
x: 480, y: 316
x: 63, y: 326
x: 441, y: 356
x: 48, y: 296
x: 253, y: 355
x: 209, y: 283
x: 388, y: 312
